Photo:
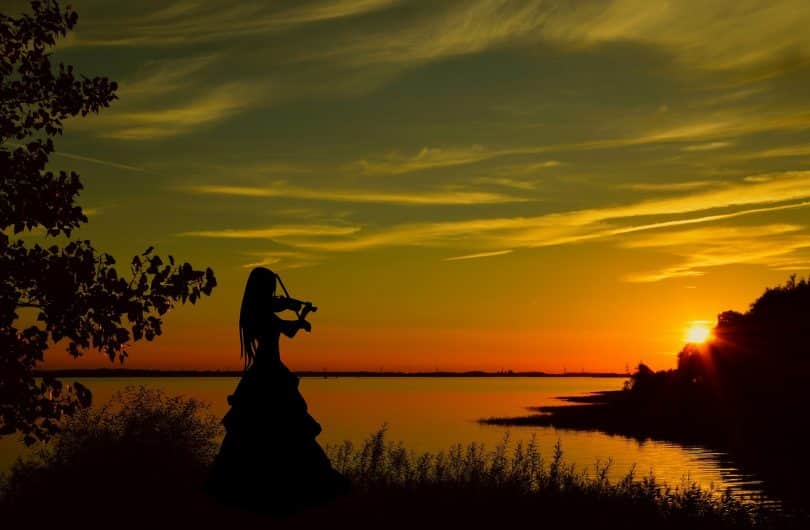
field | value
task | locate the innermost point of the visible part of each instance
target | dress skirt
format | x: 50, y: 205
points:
x: 269, y: 460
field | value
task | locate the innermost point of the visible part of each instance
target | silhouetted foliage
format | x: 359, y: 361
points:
x: 105, y: 459
x: 643, y: 377
x: 520, y: 473
x: 72, y: 291
x: 141, y: 440
x: 765, y: 348
x: 745, y: 392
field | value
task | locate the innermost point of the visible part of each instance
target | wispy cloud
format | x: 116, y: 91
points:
x: 526, y: 169
x: 449, y: 197
x: 778, y: 187
x: 427, y: 158
x: 190, y: 23
x: 480, y: 255
x: 154, y: 123
x: 710, y: 146
x: 335, y: 49
x: 695, y: 238
x: 505, y: 182
x: 169, y: 97
x: 779, y: 152
x: 98, y: 161
x: 704, y: 129
x: 443, y: 233
x: 777, y: 192
x: 705, y: 218
x: 742, y: 198
x: 448, y: 31
x: 276, y: 232
x: 161, y: 77
x: 396, y: 163
x: 774, y: 246
x: 280, y: 259
x: 672, y: 186
x: 752, y: 34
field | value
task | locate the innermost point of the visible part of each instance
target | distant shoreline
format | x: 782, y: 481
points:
x: 129, y: 372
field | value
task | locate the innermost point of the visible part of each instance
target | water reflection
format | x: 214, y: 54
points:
x: 431, y: 414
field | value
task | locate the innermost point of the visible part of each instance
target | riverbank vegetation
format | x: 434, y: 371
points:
x: 743, y: 392
x: 142, y: 459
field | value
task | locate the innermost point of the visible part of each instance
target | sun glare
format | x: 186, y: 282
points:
x: 698, y: 332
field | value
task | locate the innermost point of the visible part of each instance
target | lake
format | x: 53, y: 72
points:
x: 431, y: 414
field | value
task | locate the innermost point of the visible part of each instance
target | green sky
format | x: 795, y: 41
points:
x: 477, y: 184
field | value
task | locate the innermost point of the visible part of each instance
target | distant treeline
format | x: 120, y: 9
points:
x: 129, y: 372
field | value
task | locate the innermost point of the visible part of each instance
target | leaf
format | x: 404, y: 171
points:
x: 85, y: 301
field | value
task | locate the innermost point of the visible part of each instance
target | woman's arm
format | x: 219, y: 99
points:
x: 291, y: 327
x: 280, y: 303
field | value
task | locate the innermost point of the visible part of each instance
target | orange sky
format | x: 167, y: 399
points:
x: 455, y: 186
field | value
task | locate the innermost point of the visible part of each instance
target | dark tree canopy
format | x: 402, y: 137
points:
x: 73, y: 293
x: 763, y: 350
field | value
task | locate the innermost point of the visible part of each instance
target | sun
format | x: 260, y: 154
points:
x: 698, y: 332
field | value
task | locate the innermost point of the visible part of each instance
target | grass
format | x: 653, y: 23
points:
x: 142, y: 459
x: 521, y: 474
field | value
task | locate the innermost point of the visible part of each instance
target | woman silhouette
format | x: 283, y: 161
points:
x: 269, y: 459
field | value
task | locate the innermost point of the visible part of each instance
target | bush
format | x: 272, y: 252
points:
x: 141, y: 440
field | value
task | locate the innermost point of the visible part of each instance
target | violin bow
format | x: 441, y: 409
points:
x: 287, y: 294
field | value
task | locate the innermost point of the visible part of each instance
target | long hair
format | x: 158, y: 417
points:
x: 255, y: 311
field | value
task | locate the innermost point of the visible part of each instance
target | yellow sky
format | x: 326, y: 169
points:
x: 462, y: 185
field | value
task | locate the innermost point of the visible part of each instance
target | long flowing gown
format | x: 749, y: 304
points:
x: 269, y: 460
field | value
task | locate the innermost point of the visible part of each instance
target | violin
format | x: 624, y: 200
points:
x: 302, y: 309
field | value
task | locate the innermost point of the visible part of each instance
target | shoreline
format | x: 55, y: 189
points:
x: 772, y: 453
x: 130, y: 372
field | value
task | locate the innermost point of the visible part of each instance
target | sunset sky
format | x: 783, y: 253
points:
x: 457, y: 185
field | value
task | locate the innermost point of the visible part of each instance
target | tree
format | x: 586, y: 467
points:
x: 63, y: 290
